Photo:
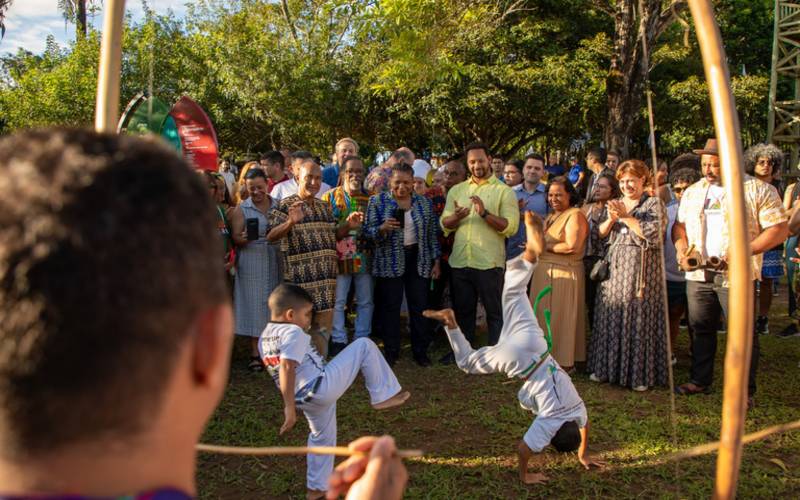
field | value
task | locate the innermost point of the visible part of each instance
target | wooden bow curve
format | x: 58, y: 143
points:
x: 740, y: 320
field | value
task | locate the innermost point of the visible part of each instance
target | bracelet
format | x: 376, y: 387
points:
x: 484, y: 214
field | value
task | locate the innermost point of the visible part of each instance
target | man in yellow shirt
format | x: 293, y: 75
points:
x: 483, y: 212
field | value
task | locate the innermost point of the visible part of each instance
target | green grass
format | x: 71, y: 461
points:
x: 469, y: 425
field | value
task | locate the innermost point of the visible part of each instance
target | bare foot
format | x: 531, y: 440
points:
x: 393, y: 401
x: 446, y: 316
x: 534, y: 478
x: 315, y: 494
x: 534, y: 230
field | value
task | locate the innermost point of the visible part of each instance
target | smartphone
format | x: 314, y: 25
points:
x: 400, y: 216
x: 252, y: 229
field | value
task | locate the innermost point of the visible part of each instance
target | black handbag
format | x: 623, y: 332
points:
x: 599, y: 271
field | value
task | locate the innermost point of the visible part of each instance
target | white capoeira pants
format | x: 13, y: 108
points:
x: 361, y: 355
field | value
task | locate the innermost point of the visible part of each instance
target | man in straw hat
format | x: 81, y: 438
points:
x: 701, y: 236
x: 107, y: 379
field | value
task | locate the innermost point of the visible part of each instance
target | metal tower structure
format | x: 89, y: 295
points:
x: 784, y: 116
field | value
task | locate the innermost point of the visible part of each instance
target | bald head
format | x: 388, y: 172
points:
x: 454, y: 172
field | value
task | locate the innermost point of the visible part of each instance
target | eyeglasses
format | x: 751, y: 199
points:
x: 765, y: 161
x: 678, y: 190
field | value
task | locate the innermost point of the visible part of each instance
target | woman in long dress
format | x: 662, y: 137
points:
x: 561, y: 267
x: 628, y: 344
x: 258, y: 263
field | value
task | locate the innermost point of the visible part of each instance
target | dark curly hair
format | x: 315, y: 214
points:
x: 763, y: 150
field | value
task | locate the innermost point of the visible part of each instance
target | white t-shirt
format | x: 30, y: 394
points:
x: 409, y: 235
x: 714, y: 210
x: 289, y: 187
x: 550, y: 394
x: 288, y: 341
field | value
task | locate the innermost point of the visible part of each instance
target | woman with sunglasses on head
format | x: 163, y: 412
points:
x: 258, y: 269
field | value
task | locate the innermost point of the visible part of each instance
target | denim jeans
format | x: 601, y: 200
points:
x: 364, y: 305
x: 706, y: 301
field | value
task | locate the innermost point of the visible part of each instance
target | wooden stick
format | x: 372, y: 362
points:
x: 707, y: 448
x: 740, y: 319
x: 340, y: 451
x: 108, y: 76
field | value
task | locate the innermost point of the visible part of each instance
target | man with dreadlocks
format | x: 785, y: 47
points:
x: 523, y: 352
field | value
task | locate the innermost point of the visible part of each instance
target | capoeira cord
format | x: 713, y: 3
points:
x: 340, y: 451
x: 662, y: 225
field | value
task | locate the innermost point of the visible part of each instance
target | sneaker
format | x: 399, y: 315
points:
x: 762, y: 325
x: 674, y: 360
x: 640, y: 388
x: 336, y: 348
x: 594, y: 378
x: 789, y: 331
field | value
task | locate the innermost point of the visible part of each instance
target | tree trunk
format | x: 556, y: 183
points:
x: 626, y: 77
x: 80, y: 20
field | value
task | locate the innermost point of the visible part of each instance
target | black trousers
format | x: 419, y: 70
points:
x: 466, y: 285
x: 590, y: 288
x: 388, y: 301
x: 706, y: 301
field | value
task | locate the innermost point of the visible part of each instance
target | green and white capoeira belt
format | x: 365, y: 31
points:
x: 528, y: 372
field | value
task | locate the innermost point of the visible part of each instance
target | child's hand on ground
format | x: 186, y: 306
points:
x: 378, y: 475
x: 289, y: 419
x: 535, y: 478
x: 589, y: 461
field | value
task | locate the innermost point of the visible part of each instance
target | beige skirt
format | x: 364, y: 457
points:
x: 566, y: 305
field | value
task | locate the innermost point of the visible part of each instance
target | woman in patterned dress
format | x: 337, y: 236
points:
x: 628, y: 344
x: 258, y: 263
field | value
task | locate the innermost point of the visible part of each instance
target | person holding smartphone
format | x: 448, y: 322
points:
x: 404, y: 228
x: 258, y: 263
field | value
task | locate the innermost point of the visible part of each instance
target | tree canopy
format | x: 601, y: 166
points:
x: 430, y: 74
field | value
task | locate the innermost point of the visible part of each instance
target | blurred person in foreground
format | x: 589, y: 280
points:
x: 105, y: 388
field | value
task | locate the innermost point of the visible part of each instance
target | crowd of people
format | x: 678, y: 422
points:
x: 632, y: 259
x: 631, y: 251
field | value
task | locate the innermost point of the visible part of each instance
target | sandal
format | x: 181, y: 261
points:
x: 690, y: 389
x: 255, y: 365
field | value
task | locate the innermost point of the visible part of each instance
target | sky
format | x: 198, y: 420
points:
x: 28, y: 22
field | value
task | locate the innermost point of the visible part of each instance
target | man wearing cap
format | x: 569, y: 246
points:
x: 702, y: 228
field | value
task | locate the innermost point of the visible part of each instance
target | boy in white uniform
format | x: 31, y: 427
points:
x: 307, y: 382
x: 522, y: 352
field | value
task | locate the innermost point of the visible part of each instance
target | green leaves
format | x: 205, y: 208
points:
x: 431, y: 74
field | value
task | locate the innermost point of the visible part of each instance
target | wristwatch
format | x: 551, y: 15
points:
x: 484, y: 214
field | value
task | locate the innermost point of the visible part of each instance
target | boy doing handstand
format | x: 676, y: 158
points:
x: 522, y: 352
x: 308, y: 383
